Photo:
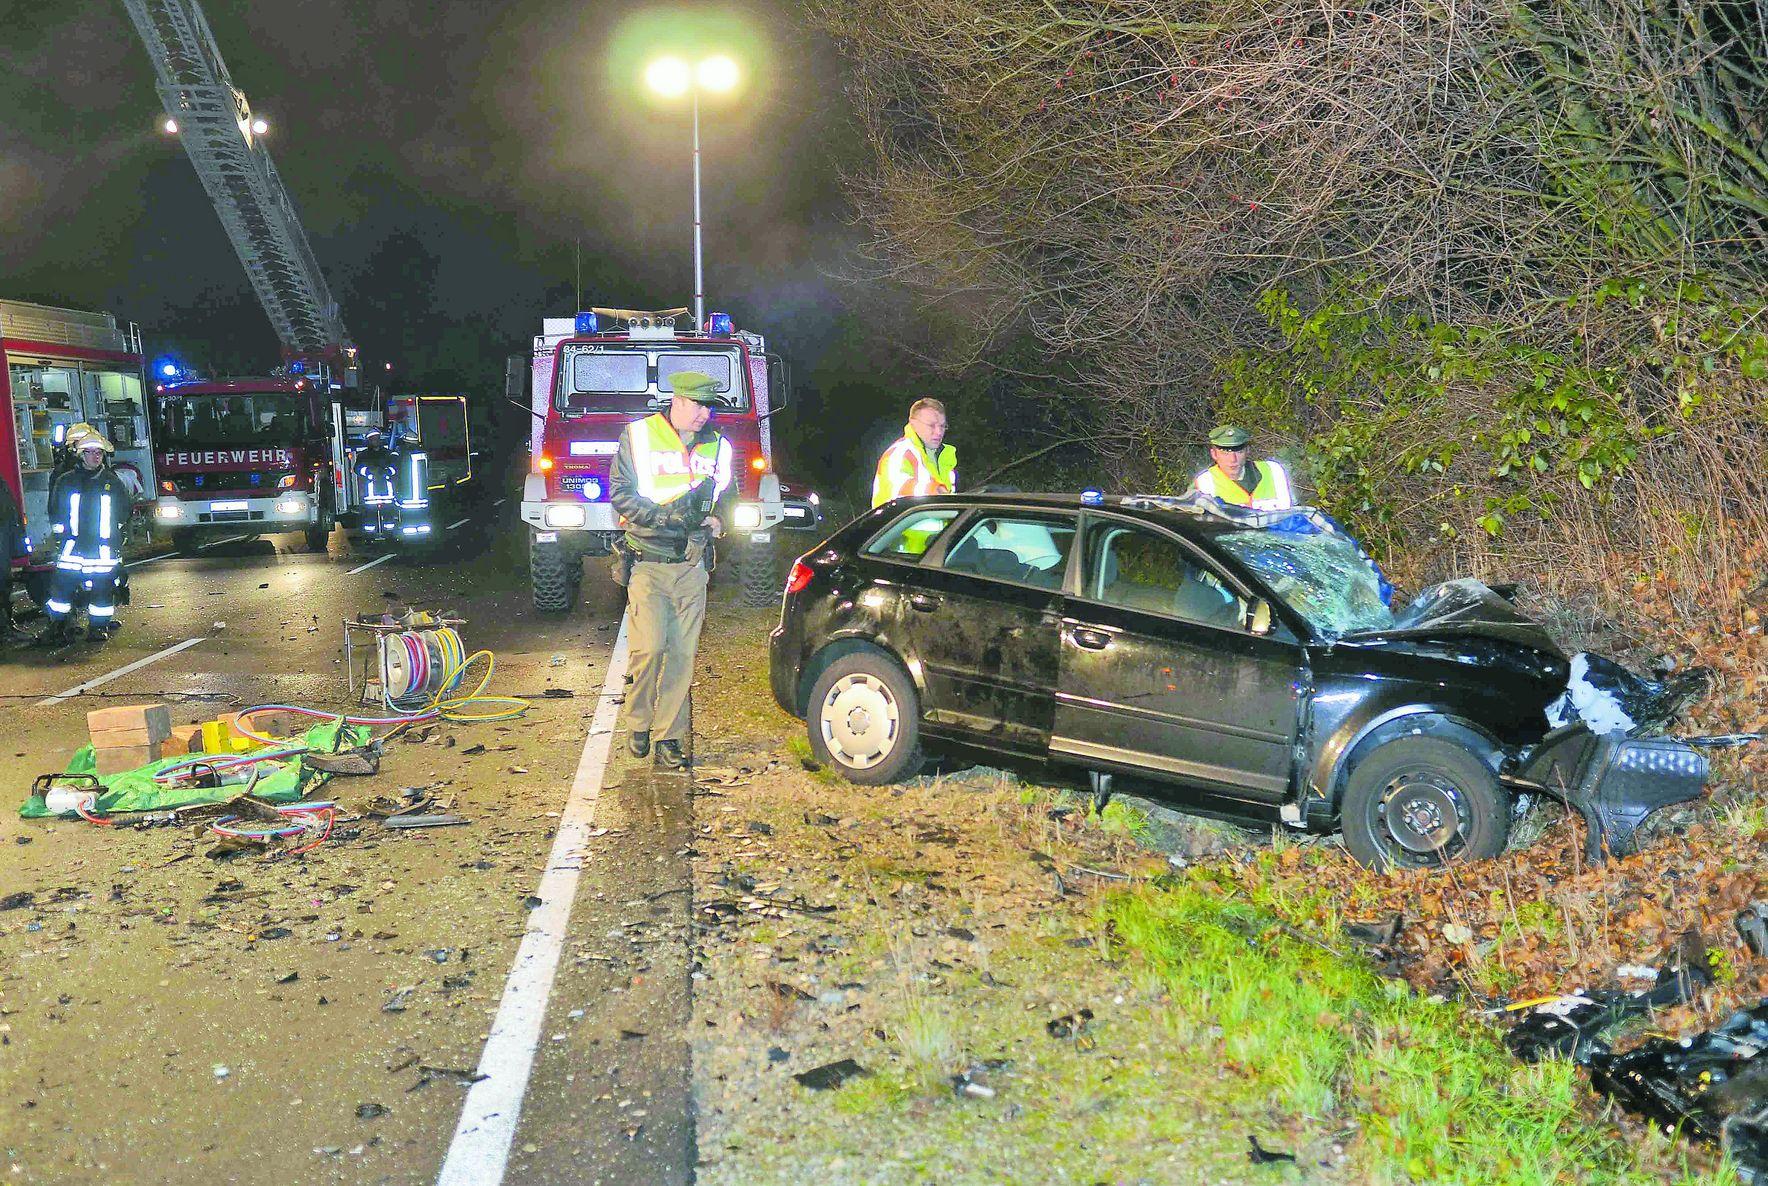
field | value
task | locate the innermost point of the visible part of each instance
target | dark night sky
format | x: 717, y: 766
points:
x: 443, y: 156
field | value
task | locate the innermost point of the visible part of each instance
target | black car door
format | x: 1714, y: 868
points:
x: 983, y: 618
x: 1162, y: 676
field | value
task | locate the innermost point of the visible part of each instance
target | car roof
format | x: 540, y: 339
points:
x: 1191, y: 509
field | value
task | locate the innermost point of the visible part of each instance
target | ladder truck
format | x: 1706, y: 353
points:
x: 273, y: 453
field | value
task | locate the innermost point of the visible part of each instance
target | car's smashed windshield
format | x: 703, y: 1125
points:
x: 1320, y: 574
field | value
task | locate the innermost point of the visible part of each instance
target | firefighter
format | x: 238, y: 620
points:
x: 377, y: 473
x: 1239, y: 481
x: 412, y: 467
x: 919, y: 461
x: 671, y: 486
x: 88, y: 512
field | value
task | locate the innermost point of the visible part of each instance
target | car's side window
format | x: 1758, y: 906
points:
x: 1137, y: 569
x: 910, y: 536
x: 1027, y: 549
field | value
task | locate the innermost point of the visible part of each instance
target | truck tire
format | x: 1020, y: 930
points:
x: 549, y: 573
x: 758, y: 567
x: 1421, y: 802
x: 319, y: 534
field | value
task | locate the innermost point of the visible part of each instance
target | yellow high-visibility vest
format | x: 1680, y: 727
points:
x: 668, y: 469
x: 906, y: 470
x: 1273, y: 492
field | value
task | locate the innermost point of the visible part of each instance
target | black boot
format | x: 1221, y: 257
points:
x: 98, y: 631
x: 639, y: 744
x: 669, y: 755
x: 55, y: 635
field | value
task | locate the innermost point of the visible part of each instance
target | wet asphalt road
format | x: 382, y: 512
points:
x: 140, y: 968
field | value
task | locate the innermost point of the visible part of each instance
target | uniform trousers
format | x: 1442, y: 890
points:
x: 668, y: 606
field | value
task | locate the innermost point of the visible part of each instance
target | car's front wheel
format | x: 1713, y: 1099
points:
x: 865, y: 720
x: 1422, y: 801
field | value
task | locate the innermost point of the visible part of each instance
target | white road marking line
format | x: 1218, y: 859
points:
x: 364, y: 567
x: 500, y: 502
x: 480, y: 1151
x: 151, y: 559
x: 232, y: 539
x: 105, y: 679
x: 452, y: 526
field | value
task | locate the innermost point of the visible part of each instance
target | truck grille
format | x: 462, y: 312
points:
x: 264, y: 480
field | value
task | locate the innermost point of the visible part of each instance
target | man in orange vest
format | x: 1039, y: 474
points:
x: 1238, y: 480
x: 919, y: 461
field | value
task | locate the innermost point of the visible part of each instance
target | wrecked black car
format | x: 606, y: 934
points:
x: 1243, y: 664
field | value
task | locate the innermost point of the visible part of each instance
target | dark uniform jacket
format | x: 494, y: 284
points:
x: 12, y: 530
x: 86, y: 531
x: 662, y: 530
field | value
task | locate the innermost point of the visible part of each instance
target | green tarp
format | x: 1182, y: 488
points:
x: 136, y: 790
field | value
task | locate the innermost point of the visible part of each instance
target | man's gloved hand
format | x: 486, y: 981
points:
x: 691, y: 509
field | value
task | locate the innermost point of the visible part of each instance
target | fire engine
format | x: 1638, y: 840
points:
x: 61, y: 367
x: 598, y: 371
x: 275, y: 453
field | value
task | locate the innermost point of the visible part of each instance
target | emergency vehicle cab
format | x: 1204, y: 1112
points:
x: 597, y: 372
x: 58, y: 368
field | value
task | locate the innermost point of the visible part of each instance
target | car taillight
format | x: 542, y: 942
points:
x: 801, y: 574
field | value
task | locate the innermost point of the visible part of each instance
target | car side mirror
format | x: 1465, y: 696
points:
x: 1258, y: 616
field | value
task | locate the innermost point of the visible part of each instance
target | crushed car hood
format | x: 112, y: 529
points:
x: 1462, y: 608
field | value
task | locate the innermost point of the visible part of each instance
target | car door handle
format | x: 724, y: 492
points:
x: 1092, y: 640
x: 925, y: 602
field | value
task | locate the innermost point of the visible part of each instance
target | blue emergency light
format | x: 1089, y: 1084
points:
x: 721, y: 324
x: 586, y: 323
x: 298, y: 367
x: 592, y: 490
x: 167, y: 368
x: 1091, y: 497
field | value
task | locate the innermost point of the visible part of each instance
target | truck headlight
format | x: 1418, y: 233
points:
x: 291, y: 506
x: 748, y: 516
x: 168, y: 510
x: 564, y: 516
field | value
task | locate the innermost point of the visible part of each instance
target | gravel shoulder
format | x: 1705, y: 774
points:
x: 946, y: 936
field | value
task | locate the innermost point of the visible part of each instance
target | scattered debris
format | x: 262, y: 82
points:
x: 1259, y: 1155
x: 372, y: 1111
x: 831, y: 1075
x: 396, y: 1002
x: 17, y: 901
x: 423, y: 821
x: 1070, y: 1025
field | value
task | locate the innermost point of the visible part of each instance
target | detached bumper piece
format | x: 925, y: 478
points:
x: 1615, y: 783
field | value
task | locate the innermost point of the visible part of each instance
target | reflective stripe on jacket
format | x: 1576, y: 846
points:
x: 905, y: 470
x: 1272, y: 493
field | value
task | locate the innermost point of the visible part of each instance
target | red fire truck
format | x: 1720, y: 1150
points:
x: 61, y: 367
x: 247, y: 457
x: 595, y: 373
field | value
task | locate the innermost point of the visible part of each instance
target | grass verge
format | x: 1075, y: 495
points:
x: 1314, y: 1032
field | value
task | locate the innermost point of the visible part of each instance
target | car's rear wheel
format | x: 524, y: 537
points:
x: 865, y: 719
x: 1418, y: 802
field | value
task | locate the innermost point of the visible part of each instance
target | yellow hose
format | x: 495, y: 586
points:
x: 456, y: 708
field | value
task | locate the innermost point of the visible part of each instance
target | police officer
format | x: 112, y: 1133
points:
x: 1239, y: 481
x: 919, y: 461
x: 671, y: 485
x: 88, y: 511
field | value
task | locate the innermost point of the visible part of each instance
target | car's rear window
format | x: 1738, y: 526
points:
x: 910, y: 536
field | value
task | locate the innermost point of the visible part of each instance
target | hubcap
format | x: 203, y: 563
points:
x: 1425, y: 814
x: 859, y: 721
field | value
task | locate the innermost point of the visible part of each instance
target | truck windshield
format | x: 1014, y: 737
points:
x: 249, y: 418
x: 631, y: 379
